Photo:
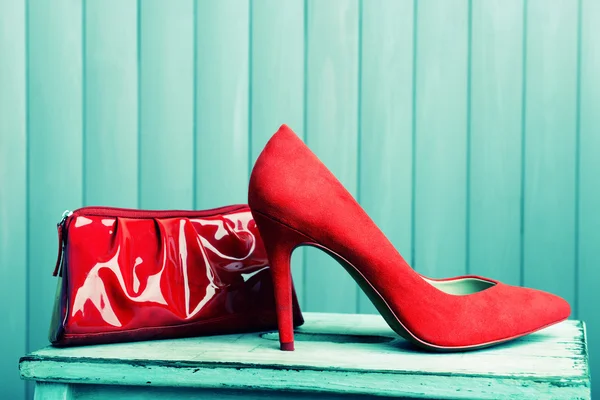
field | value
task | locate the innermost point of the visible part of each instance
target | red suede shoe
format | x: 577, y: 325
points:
x: 297, y: 201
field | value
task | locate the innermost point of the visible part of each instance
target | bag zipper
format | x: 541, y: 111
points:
x: 117, y: 212
x: 135, y: 213
x: 60, y: 227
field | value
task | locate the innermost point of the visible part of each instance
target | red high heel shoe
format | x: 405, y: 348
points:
x: 297, y: 201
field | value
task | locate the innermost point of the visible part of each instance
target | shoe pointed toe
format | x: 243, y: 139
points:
x: 534, y: 309
x: 497, y: 314
x: 551, y: 308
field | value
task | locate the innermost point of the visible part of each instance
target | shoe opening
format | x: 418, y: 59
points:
x: 462, y: 286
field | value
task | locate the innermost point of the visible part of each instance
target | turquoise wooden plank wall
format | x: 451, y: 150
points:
x: 468, y: 129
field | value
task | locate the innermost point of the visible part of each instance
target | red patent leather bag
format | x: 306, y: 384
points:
x: 127, y: 275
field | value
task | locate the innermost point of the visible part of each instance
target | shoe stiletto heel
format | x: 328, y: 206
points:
x: 296, y: 201
x: 280, y: 241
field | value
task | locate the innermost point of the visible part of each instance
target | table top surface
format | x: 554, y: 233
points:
x: 334, y: 353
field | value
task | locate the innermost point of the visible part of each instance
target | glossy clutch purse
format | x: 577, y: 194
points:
x: 127, y: 275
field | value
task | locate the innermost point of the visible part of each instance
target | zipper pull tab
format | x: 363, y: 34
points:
x: 60, y: 228
x: 64, y: 217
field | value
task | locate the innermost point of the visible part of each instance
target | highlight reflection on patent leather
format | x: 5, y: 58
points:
x: 134, y: 275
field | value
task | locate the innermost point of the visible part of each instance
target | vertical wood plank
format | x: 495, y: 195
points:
x: 495, y: 145
x: 589, y: 182
x: 385, y: 189
x: 222, y: 102
x: 441, y: 137
x: 54, y: 145
x: 277, y: 82
x: 332, y: 131
x: 167, y: 104
x: 13, y: 193
x: 550, y: 132
x: 111, y: 110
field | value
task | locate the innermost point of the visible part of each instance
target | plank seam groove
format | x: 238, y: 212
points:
x: 577, y: 159
x: 413, y: 252
x: 523, y: 148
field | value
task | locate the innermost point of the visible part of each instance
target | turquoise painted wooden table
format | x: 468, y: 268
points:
x: 337, y: 356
